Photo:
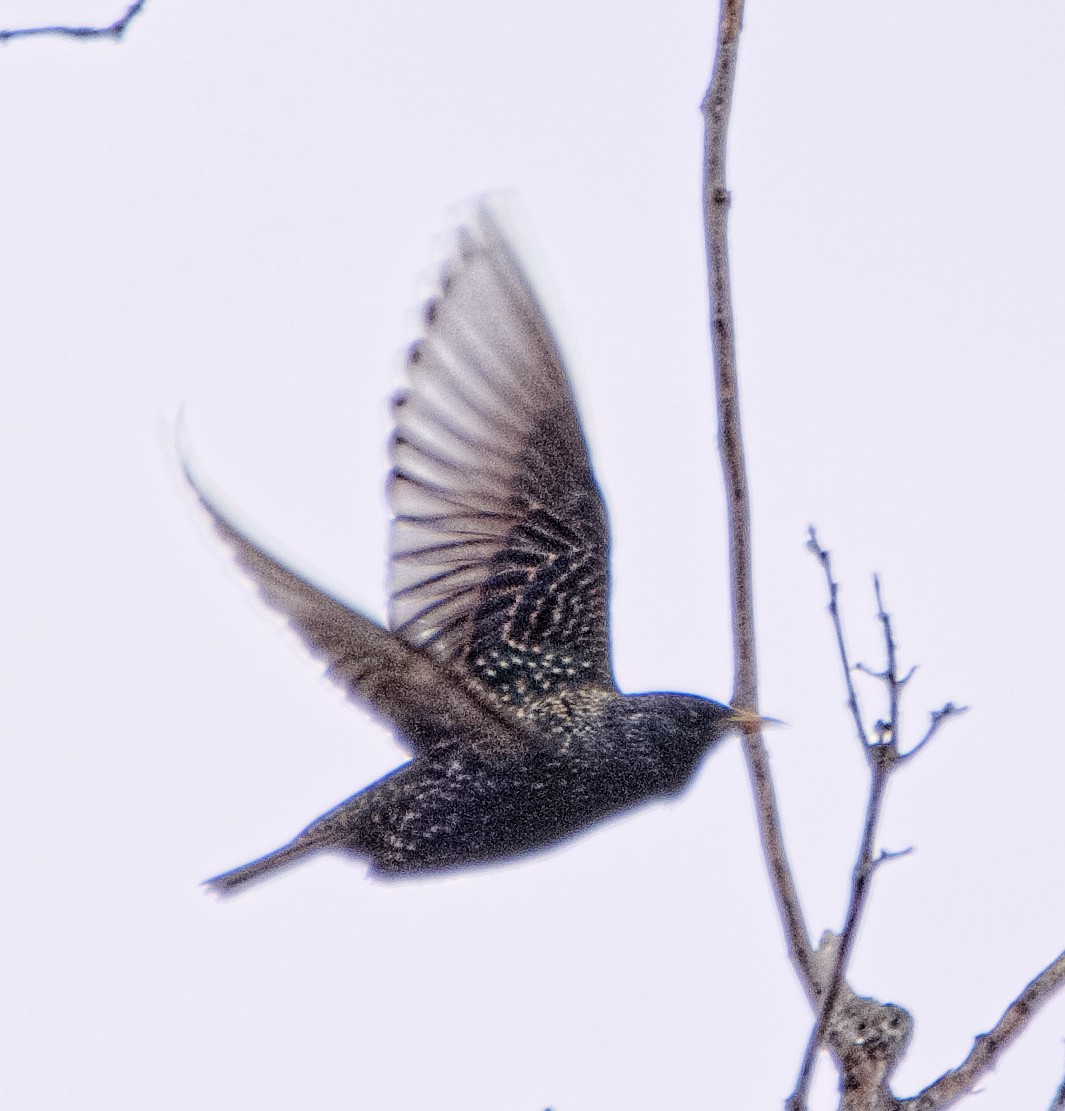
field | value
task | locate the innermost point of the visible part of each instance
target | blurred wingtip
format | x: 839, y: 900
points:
x: 187, y: 466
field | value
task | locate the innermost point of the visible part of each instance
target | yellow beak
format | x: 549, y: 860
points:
x: 750, y: 721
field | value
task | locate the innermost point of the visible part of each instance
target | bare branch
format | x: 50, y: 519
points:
x: 113, y: 30
x: 716, y: 108
x: 864, y: 868
x: 891, y: 669
x: 887, y: 855
x: 1058, y: 1103
x: 843, y: 1020
x: 825, y: 559
x: 864, y: 1067
x: 989, y: 1047
x: 867, y: 1038
x: 865, y: 669
x: 938, y: 719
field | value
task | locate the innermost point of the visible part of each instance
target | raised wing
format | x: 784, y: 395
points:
x: 499, y: 544
x: 423, y: 701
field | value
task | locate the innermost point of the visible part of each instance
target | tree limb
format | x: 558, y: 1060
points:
x: 989, y: 1047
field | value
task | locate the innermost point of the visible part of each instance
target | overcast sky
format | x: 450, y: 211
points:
x: 238, y: 210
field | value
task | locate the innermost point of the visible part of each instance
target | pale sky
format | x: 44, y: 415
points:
x: 237, y: 210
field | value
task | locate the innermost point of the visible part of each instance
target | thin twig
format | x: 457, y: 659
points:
x: 886, y: 855
x: 891, y: 679
x: 716, y: 107
x: 938, y: 718
x: 825, y: 559
x: 113, y: 30
x: 988, y: 1048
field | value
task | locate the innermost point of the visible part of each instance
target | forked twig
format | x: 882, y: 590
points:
x: 883, y: 757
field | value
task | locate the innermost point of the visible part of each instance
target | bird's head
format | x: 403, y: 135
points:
x: 685, y: 726
x: 681, y: 722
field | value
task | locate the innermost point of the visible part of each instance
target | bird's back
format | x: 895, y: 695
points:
x: 600, y: 753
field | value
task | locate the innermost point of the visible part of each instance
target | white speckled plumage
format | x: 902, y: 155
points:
x: 495, y: 672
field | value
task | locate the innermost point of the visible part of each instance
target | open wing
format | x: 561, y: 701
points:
x: 499, y: 544
x: 423, y: 701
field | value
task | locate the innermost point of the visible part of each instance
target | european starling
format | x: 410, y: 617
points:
x: 494, y: 672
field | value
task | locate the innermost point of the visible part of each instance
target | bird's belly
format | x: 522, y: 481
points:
x: 481, y: 814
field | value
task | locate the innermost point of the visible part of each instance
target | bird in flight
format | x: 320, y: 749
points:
x: 494, y: 672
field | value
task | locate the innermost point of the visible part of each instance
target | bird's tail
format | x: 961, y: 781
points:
x: 228, y: 883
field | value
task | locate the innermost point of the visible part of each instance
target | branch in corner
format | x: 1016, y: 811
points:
x: 988, y: 1048
x: 113, y: 30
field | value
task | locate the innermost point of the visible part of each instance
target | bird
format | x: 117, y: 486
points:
x: 494, y: 671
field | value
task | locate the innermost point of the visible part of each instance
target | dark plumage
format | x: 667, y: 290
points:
x: 496, y: 673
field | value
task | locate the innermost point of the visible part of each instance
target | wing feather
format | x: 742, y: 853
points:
x: 419, y: 697
x: 499, y: 543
